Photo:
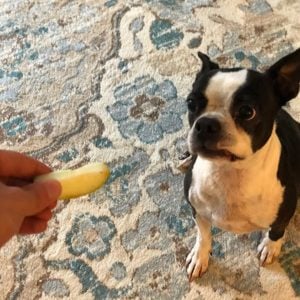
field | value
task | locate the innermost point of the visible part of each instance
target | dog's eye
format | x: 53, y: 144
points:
x: 246, y: 112
x: 191, y: 105
x: 196, y: 103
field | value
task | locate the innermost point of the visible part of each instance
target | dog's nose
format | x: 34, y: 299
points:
x: 207, y: 127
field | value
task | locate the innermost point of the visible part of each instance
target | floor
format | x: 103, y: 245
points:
x: 100, y: 80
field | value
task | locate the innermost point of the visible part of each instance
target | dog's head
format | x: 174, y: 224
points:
x: 232, y: 111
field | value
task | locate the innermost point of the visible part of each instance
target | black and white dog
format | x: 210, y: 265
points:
x: 244, y: 173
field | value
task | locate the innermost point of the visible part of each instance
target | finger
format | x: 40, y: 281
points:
x: 45, y: 215
x: 33, y: 225
x: 52, y: 205
x: 14, y: 164
x: 33, y: 198
x: 12, y: 181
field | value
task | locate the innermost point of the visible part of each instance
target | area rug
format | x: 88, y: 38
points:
x: 85, y: 81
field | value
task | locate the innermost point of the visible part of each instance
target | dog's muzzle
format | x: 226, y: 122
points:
x: 205, y: 137
x: 207, y: 132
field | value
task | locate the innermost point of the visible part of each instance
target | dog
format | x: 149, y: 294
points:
x: 244, y: 163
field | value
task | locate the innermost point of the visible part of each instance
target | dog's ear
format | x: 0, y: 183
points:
x: 207, y: 64
x: 285, y: 76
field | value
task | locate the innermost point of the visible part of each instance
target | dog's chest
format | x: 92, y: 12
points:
x: 237, y: 200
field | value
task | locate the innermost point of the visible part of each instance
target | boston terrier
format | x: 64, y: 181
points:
x: 244, y: 167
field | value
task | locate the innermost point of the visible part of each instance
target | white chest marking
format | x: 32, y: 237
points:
x: 242, y: 196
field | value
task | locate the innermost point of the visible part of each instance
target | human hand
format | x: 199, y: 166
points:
x: 25, y: 207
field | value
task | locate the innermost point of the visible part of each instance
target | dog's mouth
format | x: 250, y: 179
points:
x: 211, y: 148
x: 230, y: 156
x: 219, y: 153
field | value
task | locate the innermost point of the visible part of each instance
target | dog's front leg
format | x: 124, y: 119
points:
x: 197, y: 260
x: 270, y: 246
x: 269, y: 249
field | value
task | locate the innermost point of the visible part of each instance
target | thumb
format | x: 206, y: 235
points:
x: 33, y: 198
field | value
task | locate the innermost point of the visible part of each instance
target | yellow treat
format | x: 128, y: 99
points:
x: 79, y: 182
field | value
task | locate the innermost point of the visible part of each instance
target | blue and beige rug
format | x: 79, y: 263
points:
x: 106, y: 81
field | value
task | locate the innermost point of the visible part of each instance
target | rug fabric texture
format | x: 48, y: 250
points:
x: 86, y: 81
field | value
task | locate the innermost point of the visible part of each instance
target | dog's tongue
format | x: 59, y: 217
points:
x: 233, y: 158
x: 230, y: 155
x: 227, y: 153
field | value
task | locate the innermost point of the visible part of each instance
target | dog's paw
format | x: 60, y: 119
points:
x: 197, y: 262
x: 269, y: 250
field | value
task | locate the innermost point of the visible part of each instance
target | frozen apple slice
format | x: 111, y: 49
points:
x: 79, y: 182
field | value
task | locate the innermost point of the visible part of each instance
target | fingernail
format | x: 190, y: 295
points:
x: 53, y: 189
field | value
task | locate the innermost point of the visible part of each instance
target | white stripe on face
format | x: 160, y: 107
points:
x: 219, y: 93
x: 221, y: 88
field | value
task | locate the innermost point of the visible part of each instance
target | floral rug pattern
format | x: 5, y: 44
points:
x: 101, y: 80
